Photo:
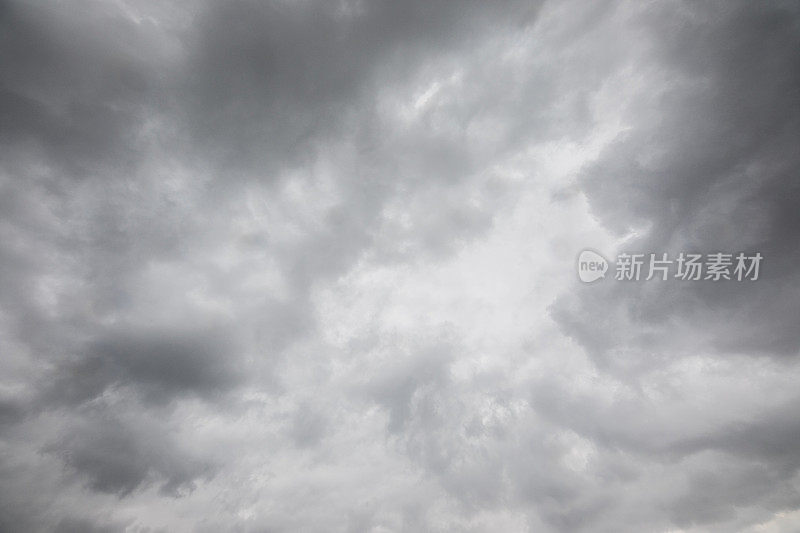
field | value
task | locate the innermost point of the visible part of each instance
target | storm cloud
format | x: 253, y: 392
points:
x: 310, y: 266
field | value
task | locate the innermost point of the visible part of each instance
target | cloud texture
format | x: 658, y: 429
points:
x: 309, y: 266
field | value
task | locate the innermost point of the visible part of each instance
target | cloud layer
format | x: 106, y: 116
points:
x: 309, y: 266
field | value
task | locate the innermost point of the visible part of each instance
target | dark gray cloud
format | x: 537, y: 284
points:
x: 281, y: 266
x: 708, y: 164
x: 157, y: 365
x: 266, y: 82
x: 117, y: 457
x: 74, y: 90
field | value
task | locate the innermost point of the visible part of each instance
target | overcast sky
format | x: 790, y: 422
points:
x: 297, y: 265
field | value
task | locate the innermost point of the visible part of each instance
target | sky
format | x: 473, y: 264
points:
x: 310, y: 266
